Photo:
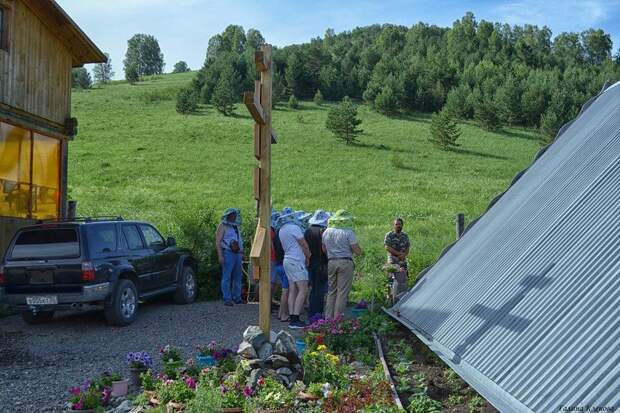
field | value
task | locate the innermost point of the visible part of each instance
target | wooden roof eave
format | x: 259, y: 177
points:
x: 82, y: 49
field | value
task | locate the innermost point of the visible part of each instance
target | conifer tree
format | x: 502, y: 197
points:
x: 342, y: 121
x: 293, y: 103
x: 223, y: 98
x: 318, y: 98
x: 444, y: 130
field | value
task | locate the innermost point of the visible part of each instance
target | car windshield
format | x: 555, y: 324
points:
x: 46, y: 243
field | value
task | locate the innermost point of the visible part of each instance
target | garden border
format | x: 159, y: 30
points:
x: 386, y: 371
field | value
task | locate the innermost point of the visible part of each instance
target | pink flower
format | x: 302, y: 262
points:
x: 190, y: 382
x: 261, y: 381
x: 247, y: 391
x: 79, y: 405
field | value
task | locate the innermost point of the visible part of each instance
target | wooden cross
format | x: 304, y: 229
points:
x: 259, y: 105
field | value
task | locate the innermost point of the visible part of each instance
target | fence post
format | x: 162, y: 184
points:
x: 71, y: 209
x: 460, y: 224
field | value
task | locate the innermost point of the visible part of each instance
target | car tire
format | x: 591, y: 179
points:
x: 123, y: 309
x: 39, y: 318
x: 188, y: 287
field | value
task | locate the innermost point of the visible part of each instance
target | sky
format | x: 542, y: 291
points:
x: 183, y: 27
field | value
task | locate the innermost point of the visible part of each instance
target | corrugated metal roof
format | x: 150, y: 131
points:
x: 526, y: 305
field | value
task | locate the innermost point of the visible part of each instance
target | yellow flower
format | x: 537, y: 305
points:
x: 322, y: 347
x: 314, y: 353
x: 334, y: 359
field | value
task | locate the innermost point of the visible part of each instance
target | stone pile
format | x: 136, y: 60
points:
x: 274, y: 357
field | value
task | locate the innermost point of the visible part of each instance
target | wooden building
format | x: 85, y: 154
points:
x: 39, y: 46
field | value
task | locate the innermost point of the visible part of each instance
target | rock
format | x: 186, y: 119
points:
x: 358, y: 366
x: 124, y: 407
x: 284, y: 380
x: 293, y: 377
x: 285, y: 371
x: 254, y: 335
x: 276, y: 361
x: 246, y: 350
x: 285, y: 344
x: 254, y: 376
x: 265, y: 351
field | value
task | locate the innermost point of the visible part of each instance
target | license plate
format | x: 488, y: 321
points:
x: 42, y: 300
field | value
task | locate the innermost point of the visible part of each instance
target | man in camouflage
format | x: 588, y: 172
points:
x: 397, y: 246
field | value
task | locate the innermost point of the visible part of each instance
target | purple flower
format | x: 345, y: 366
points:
x: 223, y: 389
x: 247, y: 391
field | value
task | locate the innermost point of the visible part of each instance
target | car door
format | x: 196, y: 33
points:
x: 163, y: 258
x: 139, y: 256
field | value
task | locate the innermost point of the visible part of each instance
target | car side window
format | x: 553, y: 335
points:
x: 132, y: 237
x: 151, y: 236
x: 101, y: 238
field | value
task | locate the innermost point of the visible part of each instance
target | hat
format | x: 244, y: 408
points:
x: 341, y: 219
x: 229, y: 211
x: 290, y: 218
x: 319, y: 218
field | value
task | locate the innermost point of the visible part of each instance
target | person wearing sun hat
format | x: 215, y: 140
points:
x: 340, y: 244
x: 278, y: 276
x: 317, y: 268
x: 229, y: 246
x: 296, y: 254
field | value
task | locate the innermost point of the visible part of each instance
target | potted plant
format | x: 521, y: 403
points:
x: 212, y: 354
x: 139, y: 362
x: 171, y: 357
x: 360, y: 308
x: 118, y: 385
x: 89, y: 397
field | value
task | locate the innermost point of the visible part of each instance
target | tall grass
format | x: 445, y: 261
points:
x: 162, y: 166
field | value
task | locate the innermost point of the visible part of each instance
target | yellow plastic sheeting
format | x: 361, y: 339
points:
x: 29, y: 173
x: 15, y: 146
x: 45, y: 177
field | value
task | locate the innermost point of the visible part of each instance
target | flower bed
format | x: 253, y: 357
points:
x: 338, y: 372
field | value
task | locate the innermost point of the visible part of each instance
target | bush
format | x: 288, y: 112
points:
x: 293, y: 103
x: 421, y: 403
x: 444, y: 130
x: 318, y: 98
x: 187, y: 101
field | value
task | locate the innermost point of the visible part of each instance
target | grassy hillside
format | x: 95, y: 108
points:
x: 136, y: 156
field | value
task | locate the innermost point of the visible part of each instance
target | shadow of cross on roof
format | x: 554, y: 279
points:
x: 502, y: 317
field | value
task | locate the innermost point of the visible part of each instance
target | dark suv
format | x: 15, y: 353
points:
x: 111, y: 262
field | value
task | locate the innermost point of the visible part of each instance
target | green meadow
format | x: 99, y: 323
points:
x: 136, y: 156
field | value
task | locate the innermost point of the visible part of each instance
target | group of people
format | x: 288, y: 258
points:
x: 311, y: 260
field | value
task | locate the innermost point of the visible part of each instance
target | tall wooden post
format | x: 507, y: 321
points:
x: 259, y: 105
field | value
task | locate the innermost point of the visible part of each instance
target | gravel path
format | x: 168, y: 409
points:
x: 39, y: 363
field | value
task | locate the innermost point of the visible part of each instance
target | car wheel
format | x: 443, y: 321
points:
x: 124, y: 307
x: 188, y: 287
x: 38, y: 318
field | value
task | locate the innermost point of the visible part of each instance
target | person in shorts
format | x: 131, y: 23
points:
x: 296, y: 255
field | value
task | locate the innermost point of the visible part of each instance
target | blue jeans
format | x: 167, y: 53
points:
x: 231, y: 272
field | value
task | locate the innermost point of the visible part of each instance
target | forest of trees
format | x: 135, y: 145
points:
x: 495, y: 73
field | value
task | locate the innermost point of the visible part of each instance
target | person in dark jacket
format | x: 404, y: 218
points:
x: 317, y: 268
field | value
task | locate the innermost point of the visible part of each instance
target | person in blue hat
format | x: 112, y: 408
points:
x: 229, y: 246
x: 296, y: 254
x: 317, y: 269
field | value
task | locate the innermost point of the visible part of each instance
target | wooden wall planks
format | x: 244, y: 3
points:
x: 35, y: 74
